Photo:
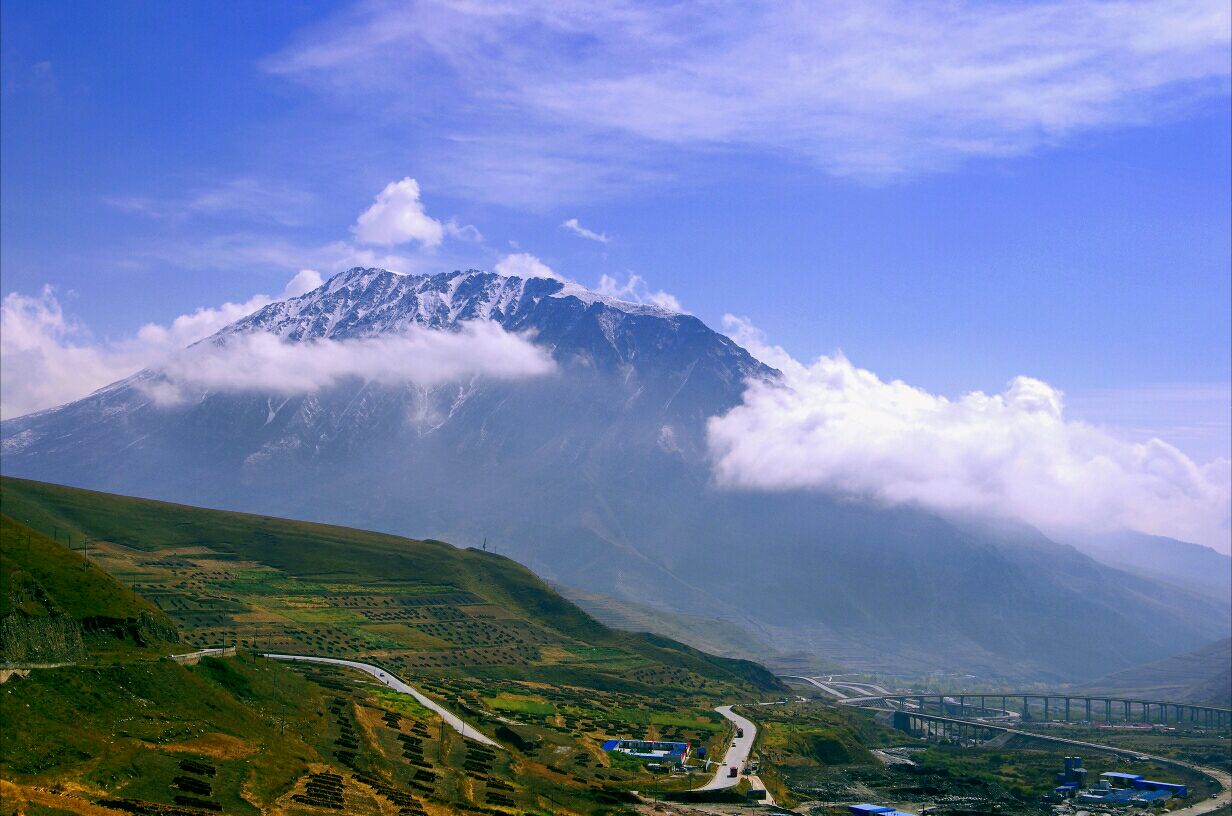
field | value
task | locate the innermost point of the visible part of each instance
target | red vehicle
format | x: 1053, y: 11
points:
x: 734, y: 772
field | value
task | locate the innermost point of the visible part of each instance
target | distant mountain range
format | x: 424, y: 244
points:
x: 1190, y: 566
x: 599, y: 477
x: 1201, y: 676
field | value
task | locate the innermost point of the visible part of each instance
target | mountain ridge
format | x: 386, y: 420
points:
x: 600, y: 478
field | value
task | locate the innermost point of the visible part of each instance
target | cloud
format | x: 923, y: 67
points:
x: 636, y: 290
x: 248, y: 198
x: 48, y: 359
x: 577, y: 229
x: 833, y: 427
x: 524, y: 265
x: 868, y: 88
x: 397, y: 216
x: 423, y: 357
x: 304, y: 282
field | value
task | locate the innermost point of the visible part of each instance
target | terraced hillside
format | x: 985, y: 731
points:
x: 474, y: 630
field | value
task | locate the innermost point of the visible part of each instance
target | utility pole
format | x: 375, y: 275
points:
x: 485, y: 543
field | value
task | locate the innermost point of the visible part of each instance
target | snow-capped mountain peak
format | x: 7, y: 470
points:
x: 365, y: 301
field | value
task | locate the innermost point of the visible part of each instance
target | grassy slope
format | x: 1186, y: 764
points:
x: 309, y: 551
x: 76, y: 588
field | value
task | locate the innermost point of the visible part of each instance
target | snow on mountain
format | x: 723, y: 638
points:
x: 368, y: 301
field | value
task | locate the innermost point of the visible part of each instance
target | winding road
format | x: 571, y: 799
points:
x: 455, y: 722
x: 737, y: 753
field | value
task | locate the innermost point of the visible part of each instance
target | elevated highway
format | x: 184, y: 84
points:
x: 1032, y: 705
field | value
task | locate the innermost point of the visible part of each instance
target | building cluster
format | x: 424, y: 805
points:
x: 1114, y: 788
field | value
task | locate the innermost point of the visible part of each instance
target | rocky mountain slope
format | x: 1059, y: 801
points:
x: 598, y: 477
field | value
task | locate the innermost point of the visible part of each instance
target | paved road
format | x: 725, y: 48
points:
x: 737, y: 753
x: 455, y: 722
x: 833, y: 692
x: 192, y: 658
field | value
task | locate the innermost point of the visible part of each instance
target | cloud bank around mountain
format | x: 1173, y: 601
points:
x: 833, y: 427
x: 47, y: 358
x: 423, y: 357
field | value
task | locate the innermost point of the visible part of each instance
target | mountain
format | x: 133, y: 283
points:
x: 1200, y: 676
x: 1191, y: 566
x: 598, y: 477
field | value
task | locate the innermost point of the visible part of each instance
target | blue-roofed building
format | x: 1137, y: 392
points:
x: 1125, y: 779
x: 1175, y: 788
x: 649, y: 749
x: 862, y: 810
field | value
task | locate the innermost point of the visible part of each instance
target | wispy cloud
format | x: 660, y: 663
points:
x: 248, y: 198
x: 869, y: 89
x: 636, y: 290
x: 577, y: 229
x: 833, y: 427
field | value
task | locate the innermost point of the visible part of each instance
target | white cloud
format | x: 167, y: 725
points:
x: 834, y: 427
x: 524, y: 265
x: 636, y: 290
x: 397, y: 216
x: 423, y: 357
x: 871, y: 88
x: 304, y: 282
x: 48, y: 359
x: 577, y: 229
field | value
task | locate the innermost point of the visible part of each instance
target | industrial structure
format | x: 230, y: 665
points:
x: 1114, y: 789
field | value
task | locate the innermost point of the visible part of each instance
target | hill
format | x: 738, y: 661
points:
x: 56, y: 606
x: 600, y: 477
x: 126, y: 730
x: 1200, y: 676
x: 231, y: 578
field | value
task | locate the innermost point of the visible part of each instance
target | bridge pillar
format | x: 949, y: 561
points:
x: 1107, y: 711
x: 1067, y: 709
x: 1025, y: 713
x: 1126, y: 710
x: 1004, y: 711
x: 962, y: 706
x: 919, y: 702
x: 1045, y: 708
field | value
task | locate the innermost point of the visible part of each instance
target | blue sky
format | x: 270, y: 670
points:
x: 953, y: 195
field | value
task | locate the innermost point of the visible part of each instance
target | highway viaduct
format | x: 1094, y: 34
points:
x: 1046, y: 706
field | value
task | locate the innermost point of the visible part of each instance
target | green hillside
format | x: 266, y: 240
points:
x: 56, y: 606
x: 477, y: 631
